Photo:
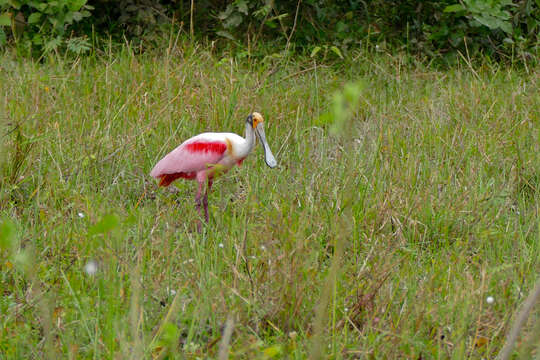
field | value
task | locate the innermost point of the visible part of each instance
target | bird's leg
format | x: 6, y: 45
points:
x: 198, y: 198
x: 198, y: 204
x: 205, y: 200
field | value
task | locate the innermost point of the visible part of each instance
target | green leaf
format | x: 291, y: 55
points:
x: 77, y: 16
x: 34, y: 18
x: 336, y: 51
x: 5, y: 19
x: 37, y: 39
x: 494, y: 23
x: 454, y: 8
x: 225, y: 34
x: 15, y: 4
x: 242, y: 6
x: 315, y: 50
x: 233, y: 21
x: 40, y: 6
x: 76, y: 5
x: 508, y: 41
x: 52, y: 44
x: 506, y: 26
x: 78, y: 45
x: 108, y: 223
x: 225, y: 14
x: 68, y: 19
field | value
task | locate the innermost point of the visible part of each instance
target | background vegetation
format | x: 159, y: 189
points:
x: 437, y: 29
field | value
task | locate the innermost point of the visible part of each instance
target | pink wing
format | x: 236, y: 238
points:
x: 188, y: 159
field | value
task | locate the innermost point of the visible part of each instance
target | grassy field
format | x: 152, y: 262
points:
x: 383, y: 240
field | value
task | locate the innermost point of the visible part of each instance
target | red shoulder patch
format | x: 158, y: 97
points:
x: 214, y: 147
x: 239, y: 162
x: 167, y: 179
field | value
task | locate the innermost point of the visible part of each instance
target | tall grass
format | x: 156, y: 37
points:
x: 382, y: 241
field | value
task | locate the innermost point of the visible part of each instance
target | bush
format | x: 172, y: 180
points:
x: 435, y: 28
x: 43, y: 25
x: 432, y: 27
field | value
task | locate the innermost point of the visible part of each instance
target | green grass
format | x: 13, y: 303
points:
x: 383, y: 241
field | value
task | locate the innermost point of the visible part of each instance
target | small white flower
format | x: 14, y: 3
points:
x: 263, y: 248
x: 221, y: 245
x: 346, y: 309
x: 490, y: 300
x: 171, y: 292
x: 81, y: 215
x: 91, y: 268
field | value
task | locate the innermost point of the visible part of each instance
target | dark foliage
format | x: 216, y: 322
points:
x: 434, y: 28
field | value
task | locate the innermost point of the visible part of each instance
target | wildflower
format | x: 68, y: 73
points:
x: 91, y: 268
x: 221, y: 245
x: 490, y: 300
x: 81, y: 215
x: 171, y: 292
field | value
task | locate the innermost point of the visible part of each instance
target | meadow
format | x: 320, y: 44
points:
x: 399, y: 205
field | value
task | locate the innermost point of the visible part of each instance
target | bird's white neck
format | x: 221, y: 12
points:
x: 250, y: 138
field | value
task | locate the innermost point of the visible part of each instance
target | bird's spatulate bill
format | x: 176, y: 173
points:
x: 268, y: 156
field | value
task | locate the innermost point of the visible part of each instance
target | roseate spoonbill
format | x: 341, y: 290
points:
x: 207, y: 155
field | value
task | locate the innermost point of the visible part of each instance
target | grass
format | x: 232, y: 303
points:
x: 382, y: 241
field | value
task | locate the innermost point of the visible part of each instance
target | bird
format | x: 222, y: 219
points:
x: 208, y: 155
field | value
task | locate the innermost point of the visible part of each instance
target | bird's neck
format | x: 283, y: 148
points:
x: 250, y: 138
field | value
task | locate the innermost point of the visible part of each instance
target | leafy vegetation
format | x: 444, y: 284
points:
x: 404, y: 197
x: 502, y: 29
x: 43, y: 24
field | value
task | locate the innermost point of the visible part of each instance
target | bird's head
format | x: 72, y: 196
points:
x: 256, y: 121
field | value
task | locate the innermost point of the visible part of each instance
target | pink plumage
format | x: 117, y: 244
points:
x: 187, y: 160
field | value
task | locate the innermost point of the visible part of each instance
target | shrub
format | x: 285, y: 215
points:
x: 434, y: 27
x: 43, y: 25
